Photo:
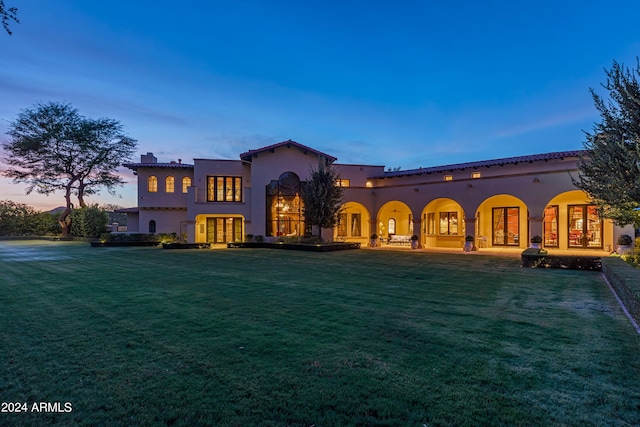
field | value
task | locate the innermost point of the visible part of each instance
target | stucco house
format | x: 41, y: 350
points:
x: 501, y: 203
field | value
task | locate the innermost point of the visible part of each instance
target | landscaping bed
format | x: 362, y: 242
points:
x: 178, y: 245
x: 539, y: 258
x: 320, y: 247
x: 100, y: 244
x: 133, y: 239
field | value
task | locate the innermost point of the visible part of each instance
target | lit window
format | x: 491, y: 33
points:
x: 169, y: 184
x: 431, y: 223
x: 152, y: 184
x: 448, y: 177
x: 449, y: 223
x: 186, y: 183
x: 475, y: 175
x: 369, y: 184
x: 343, y: 182
x: 392, y: 226
x: 224, y: 189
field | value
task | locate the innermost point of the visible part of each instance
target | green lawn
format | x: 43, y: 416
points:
x: 144, y: 336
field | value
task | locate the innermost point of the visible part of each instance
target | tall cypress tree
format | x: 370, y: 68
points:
x: 322, y: 197
x: 610, y: 171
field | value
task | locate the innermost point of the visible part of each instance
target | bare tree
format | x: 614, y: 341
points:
x: 8, y: 14
x: 53, y: 148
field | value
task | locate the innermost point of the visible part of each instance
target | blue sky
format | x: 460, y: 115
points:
x: 401, y: 84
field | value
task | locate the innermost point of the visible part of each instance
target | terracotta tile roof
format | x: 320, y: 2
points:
x: 172, y: 165
x: 249, y: 154
x: 127, y: 210
x: 485, y: 163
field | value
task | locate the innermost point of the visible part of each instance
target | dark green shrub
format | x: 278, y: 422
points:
x: 15, y: 218
x: 45, y: 224
x: 88, y: 222
x: 633, y: 258
x: 138, y: 237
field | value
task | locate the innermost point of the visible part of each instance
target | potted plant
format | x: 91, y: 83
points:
x: 414, y: 242
x: 624, y: 244
x: 468, y: 243
x: 535, y: 242
x: 374, y: 240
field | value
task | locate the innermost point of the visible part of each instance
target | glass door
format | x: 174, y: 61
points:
x: 224, y: 230
x: 551, y: 226
x: 585, y: 227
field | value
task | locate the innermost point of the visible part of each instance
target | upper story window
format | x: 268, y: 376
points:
x: 448, y: 177
x: 475, y: 174
x: 152, y: 184
x: 169, y: 184
x: 343, y: 182
x: 186, y: 183
x: 224, y: 189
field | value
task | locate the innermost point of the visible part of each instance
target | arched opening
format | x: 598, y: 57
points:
x: 152, y: 226
x: 443, y: 224
x: 503, y: 222
x: 571, y: 222
x: 354, y: 223
x: 394, y: 218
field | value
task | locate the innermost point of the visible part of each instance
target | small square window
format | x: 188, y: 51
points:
x: 448, y: 177
x: 475, y: 175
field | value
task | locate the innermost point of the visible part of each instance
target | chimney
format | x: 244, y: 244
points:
x: 148, y: 158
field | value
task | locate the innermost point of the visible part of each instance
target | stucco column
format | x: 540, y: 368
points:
x: 417, y: 223
x: 470, y: 230
x: 373, y: 227
x: 191, y: 231
x: 535, y: 228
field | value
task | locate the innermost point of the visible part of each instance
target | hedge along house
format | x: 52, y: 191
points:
x: 502, y: 203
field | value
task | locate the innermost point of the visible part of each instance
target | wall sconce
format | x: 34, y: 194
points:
x: 416, y: 189
x: 536, y: 180
x: 469, y: 185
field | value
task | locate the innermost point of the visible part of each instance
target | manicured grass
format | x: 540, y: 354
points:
x: 142, y: 336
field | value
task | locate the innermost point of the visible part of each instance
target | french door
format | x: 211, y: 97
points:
x: 506, y: 226
x: 223, y: 230
x: 585, y: 227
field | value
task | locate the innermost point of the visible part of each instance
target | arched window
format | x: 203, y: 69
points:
x: 152, y: 184
x: 186, y: 183
x: 392, y: 226
x: 152, y: 226
x: 169, y: 184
